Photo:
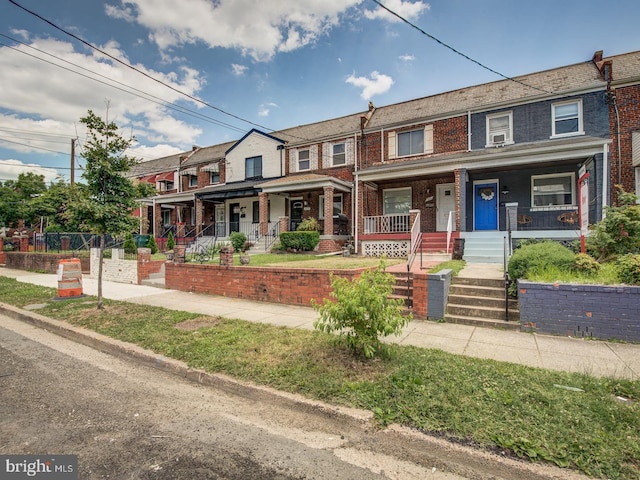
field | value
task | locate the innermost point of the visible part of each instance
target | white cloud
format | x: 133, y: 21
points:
x: 238, y: 70
x: 256, y: 27
x: 145, y: 153
x: 377, y: 83
x: 265, y: 109
x: 40, y: 97
x: 406, y: 9
x: 11, y: 169
x: 407, y: 58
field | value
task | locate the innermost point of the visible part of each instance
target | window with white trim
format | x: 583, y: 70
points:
x: 566, y: 119
x: 193, y: 180
x: 499, y: 129
x: 214, y: 177
x: 396, y: 201
x: 166, y: 217
x: 303, y: 160
x: 554, y: 190
x: 410, y: 143
x: 338, y: 154
x: 337, y: 205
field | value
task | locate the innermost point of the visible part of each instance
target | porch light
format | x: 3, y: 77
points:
x: 504, y: 190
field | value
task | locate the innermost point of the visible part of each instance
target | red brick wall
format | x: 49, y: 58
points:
x: 278, y: 285
x: 40, y: 262
x: 146, y: 266
x: 628, y: 102
x: 420, y: 294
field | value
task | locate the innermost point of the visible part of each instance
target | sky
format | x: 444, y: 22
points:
x: 174, y: 74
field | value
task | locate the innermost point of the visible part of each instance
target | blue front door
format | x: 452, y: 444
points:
x: 486, y: 206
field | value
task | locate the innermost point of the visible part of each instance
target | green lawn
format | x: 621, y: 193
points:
x: 525, y: 410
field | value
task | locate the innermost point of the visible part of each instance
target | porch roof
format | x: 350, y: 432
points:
x: 305, y: 182
x: 247, y: 188
x: 504, y: 157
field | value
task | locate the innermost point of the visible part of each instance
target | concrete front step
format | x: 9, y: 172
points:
x: 481, y: 301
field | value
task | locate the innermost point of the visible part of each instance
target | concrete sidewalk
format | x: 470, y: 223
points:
x: 559, y: 353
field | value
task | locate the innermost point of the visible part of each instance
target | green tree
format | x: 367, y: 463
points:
x: 362, y: 311
x: 152, y: 245
x: 111, y: 195
x: 170, y: 241
x: 129, y: 244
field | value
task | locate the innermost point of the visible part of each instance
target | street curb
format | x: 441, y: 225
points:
x: 422, y: 447
x: 149, y: 358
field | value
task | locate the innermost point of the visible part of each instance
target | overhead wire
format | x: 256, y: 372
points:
x: 454, y: 50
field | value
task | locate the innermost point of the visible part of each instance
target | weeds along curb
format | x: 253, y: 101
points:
x: 128, y: 351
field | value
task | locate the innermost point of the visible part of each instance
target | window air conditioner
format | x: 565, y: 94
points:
x: 498, y: 138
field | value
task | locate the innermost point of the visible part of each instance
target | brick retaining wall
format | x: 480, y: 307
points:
x: 604, y: 312
x: 40, y: 262
x: 292, y: 286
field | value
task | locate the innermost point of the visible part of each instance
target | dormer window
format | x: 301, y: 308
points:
x: 253, y: 167
x: 499, y: 129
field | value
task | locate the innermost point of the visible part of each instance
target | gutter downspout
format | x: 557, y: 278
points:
x: 354, y: 201
x: 468, y: 130
x: 153, y: 230
x: 382, y: 145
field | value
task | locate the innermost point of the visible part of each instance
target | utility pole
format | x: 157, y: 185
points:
x: 73, y: 160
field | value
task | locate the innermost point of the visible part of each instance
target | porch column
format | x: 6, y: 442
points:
x: 284, y: 224
x: 461, y: 199
x: 157, y: 215
x: 264, y: 212
x: 199, y: 205
x: 328, y: 210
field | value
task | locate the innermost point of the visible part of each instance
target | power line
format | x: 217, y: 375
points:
x: 437, y: 40
x: 143, y: 95
x: 90, y: 45
x: 32, y: 146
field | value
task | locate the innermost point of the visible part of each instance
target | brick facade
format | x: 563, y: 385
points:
x: 622, y: 171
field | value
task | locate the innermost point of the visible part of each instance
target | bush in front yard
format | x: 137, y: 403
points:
x: 305, y: 241
x: 238, y: 239
x: 539, y: 255
x: 586, y: 264
x: 629, y: 269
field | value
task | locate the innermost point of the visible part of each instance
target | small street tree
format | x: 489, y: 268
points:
x: 111, y: 199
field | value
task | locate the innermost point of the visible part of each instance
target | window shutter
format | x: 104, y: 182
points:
x: 293, y: 160
x: 428, y: 139
x: 349, y: 149
x: 313, y: 157
x: 391, y: 138
x: 635, y: 148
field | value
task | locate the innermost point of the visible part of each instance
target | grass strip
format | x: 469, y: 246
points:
x: 570, y: 419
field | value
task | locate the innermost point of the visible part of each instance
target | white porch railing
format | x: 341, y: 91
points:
x: 450, y: 222
x: 398, y: 223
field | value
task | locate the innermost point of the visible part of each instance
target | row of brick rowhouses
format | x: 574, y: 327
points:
x: 472, y: 163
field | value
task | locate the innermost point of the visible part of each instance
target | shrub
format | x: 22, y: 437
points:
x: 129, y: 244
x: 170, y: 241
x: 308, y: 225
x: 629, y: 269
x: 538, y: 255
x: 152, y: 245
x: 584, y: 263
x: 305, y: 241
x: 362, y: 311
x: 238, y: 240
x: 619, y: 232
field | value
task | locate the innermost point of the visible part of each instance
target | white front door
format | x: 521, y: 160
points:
x: 445, y: 203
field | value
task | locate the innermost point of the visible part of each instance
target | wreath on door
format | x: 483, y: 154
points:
x: 487, y: 193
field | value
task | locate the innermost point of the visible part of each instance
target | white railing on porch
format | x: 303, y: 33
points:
x: 415, y: 232
x: 398, y: 223
x: 450, y: 222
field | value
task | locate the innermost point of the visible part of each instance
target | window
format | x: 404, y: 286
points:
x: 567, y: 118
x: 396, y: 201
x: 255, y: 218
x: 339, y: 156
x: 337, y: 205
x: 214, y: 177
x: 499, y: 129
x: 253, y: 167
x: 166, y: 186
x: 410, y: 143
x: 556, y: 190
x: 303, y: 160
x: 193, y: 180
x: 166, y: 217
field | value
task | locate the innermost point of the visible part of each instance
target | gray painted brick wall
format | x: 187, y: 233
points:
x: 438, y: 293
x: 604, y: 312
